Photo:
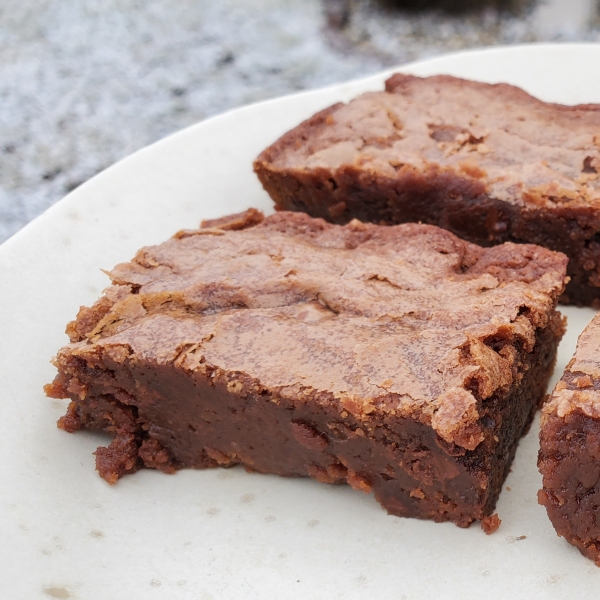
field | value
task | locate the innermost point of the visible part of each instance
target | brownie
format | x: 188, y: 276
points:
x: 488, y: 162
x: 569, y: 457
x: 401, y: 360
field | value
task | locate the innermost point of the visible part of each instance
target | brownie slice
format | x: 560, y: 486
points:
x: 488, y: 162
x: 401, y: 360
x: 569, y: 457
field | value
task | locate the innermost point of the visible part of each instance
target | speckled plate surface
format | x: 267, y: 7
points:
x: 226, y: 534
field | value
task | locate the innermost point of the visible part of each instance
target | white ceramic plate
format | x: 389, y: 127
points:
x: 64, y: 533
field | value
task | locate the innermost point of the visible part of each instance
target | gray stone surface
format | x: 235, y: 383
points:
x: 83, y: 83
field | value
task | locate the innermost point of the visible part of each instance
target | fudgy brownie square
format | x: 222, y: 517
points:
x: 401, y: 360
x: 488, y: 162
x: 569, y: 457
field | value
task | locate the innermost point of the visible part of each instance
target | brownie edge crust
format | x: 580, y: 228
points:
x: 569, y: 457
x: 401, y: 360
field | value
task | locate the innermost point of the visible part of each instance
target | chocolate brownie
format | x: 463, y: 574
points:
x: 401, y: 360
x: 569, y: 457
x: 488, y: 162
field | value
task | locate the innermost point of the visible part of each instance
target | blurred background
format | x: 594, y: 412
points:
x: 83, y: 83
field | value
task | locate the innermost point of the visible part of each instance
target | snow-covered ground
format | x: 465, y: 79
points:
x: 85, y: 82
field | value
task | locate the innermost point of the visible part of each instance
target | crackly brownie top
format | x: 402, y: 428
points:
x: 407, y: 319
x: 579, y: 387
x: 521, y: 149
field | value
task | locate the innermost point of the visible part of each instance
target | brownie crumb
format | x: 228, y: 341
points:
x: 235, y: 222
x: 491, y: 524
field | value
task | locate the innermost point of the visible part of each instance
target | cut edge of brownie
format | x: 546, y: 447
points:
x: 411, y: 469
